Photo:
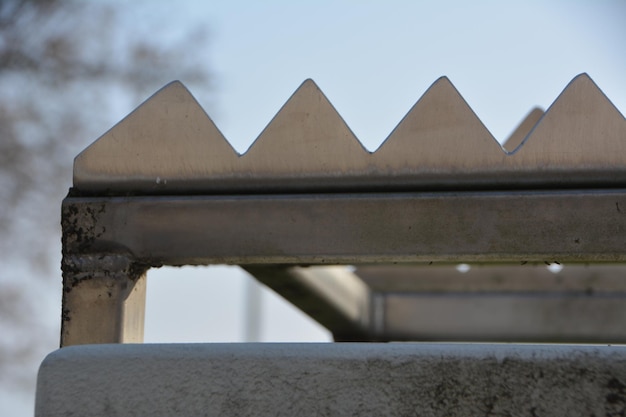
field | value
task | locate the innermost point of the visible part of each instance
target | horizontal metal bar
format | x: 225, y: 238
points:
x: 552, y: 318
x: 564, y: 226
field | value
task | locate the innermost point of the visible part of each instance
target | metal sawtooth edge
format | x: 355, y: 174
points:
x: 169, y: 145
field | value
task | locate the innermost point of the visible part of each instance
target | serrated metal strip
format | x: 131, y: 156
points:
x: 169, y: 145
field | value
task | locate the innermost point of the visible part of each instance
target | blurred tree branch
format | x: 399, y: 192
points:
x: 57, y: 61
x: 65, y: 68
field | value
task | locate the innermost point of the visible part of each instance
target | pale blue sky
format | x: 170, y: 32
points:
x: 375, y: 59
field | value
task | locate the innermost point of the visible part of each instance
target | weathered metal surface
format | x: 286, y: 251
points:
x: 170, y: 146
x: 339, y: 379
x: 104, y: 299
x: 104, y: 292
x: 578, y: 226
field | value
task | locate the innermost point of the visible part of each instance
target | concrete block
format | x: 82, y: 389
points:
x: 351, y: 379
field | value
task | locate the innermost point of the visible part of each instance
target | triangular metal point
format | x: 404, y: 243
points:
x: 580, y: 112
x: 169, y: 137
x: 306, y: 133
x: 437, y: 125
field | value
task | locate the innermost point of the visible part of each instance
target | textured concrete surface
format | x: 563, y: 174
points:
x: 402, y: 379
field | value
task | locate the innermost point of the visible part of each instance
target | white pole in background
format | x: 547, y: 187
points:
x: 253, y: 313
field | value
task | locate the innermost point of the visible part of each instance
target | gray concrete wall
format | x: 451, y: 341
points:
x: 405, y: 379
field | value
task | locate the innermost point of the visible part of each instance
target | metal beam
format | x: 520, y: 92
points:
x: 497, y: 317
x: 563, y: 226
x: 331, y: 295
